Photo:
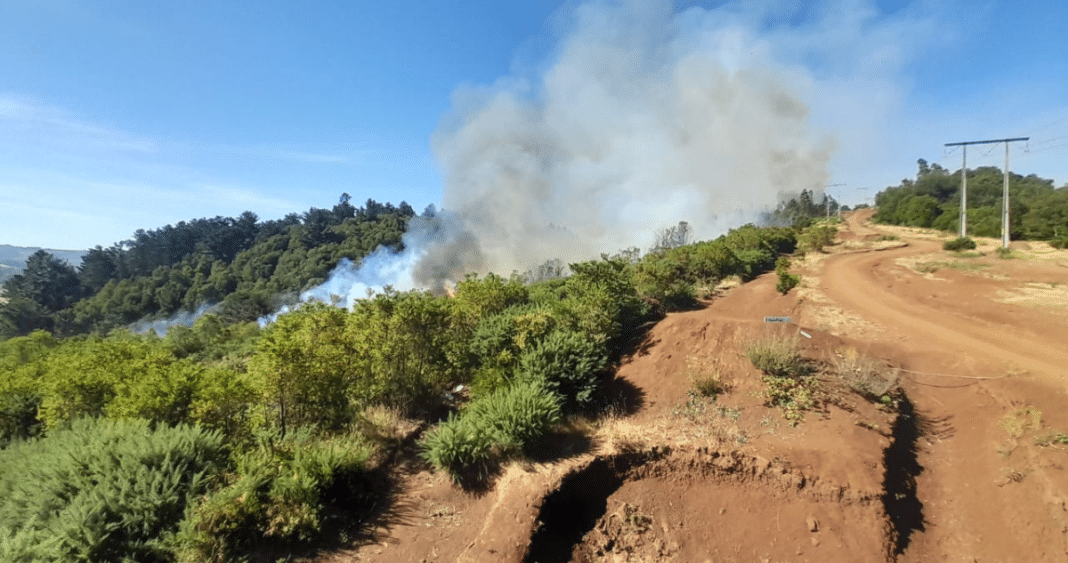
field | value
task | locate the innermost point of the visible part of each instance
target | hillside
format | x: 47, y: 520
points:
x: 901, y: 403
x: 969, y: 467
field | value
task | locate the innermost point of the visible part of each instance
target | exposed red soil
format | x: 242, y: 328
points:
x: 731, y: 480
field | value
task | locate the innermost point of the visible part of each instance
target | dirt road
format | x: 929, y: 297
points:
x: 976, y: 367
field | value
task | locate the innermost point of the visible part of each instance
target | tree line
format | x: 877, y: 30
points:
x: 242, y: 264
x: 1037, y: 210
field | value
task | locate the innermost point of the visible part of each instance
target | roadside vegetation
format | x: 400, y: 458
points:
x: 250, y: 439
x: 1037, y: 210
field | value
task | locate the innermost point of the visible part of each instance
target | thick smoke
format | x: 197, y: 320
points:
x: 642, y: 117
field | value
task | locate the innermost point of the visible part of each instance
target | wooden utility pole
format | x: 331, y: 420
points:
x: 964, y: 186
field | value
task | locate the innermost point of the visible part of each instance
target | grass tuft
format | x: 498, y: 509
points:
x: 778, y: 356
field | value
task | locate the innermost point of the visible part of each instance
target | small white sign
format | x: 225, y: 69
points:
x: 777, y: 319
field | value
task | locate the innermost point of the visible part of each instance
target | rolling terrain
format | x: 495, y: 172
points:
x: 967, y: 466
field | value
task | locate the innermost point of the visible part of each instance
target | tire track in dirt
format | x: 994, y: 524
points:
x: 858, y: 282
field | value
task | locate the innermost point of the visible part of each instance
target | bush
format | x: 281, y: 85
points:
x: 18, y: 417
x: 959, y: 244
x: 492, y: 426
x: 517, y: 415
x: 777, y: 356
x: 1059, y: 242
x: 279, y: 493
x: 817, y: 237
x: 787, y: 281
x: 569, y: 364
x: 458, y: 444
x: 102, y: 491
x: 793, y: 395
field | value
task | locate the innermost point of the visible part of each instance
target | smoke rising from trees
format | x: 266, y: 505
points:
x: 641, y: 117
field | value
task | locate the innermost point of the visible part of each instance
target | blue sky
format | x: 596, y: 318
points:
x: 119, y: 115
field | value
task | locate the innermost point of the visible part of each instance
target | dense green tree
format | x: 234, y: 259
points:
x: 1036, y: 211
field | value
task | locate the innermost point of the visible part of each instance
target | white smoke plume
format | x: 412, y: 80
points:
x: 401, y: 271
x: 643, y: 117
x: 640, y: 115
x: 181, y: 318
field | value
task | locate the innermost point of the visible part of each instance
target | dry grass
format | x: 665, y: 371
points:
x: 1019, y: 421
x: 705, y: 377
x: 865, y: 375
x: 779, y: 356
x: 383, y: 425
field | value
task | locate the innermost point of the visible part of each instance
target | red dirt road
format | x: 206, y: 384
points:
x: 987, y: 495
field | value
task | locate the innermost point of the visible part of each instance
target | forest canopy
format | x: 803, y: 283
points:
x: 243, y: 265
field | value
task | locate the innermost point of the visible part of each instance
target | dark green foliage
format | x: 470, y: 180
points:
x: 458, y: 444
x: 46, y: 286
x: 496, y: 345
x: 239, y: 262
x: 492, y: 426
x: 786, y: 281
x: 1036, y: 211
x: 670, y: 277
x: 958, y: 244
x: 1059, y: 242
x: 569, y: 364
x: 799, y: 211
x: 599, y: 300
x: 279, y: 493
x: 102, y: 491
x: 18, y: 416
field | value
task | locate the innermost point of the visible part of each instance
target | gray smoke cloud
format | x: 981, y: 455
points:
x: 640, y: 117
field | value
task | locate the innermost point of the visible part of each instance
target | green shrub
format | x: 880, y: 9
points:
x: 476, y: 299
x: 816, y: 237
x: 1004, y: 252
x: 598, y: 300
x: 793, y: 395
x: 516, y: 415
x: 18, y: 416
x: 278, y: 494
x: 666, y: 280
x: 458, y: 444
x: 492, y: 426
x: 570, y: 366
x: 959, y: 244
x: 102, y: 491
x: 786, y: 281
x: 1059, y: 242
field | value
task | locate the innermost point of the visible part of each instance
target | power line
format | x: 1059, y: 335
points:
x: 964, y: 186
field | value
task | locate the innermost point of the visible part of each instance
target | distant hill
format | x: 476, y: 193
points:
x: 13, y: 258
